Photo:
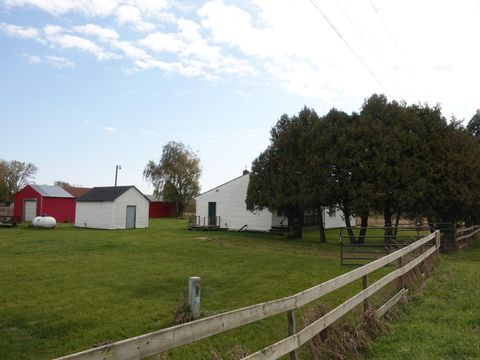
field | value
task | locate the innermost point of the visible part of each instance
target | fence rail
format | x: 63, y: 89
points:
x: 163, y: 340
x: 463, y: 235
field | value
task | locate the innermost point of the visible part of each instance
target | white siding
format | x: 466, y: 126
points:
x: 231, y: 207
x: 336, y: 220
x: 112, y: 215
x: 130, y: 197
x: 96, y: 215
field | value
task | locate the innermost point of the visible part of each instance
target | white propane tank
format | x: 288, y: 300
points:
x: 47, y: 222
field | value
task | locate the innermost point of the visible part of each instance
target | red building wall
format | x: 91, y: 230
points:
x: 160, y: 209
x: 62, y: 209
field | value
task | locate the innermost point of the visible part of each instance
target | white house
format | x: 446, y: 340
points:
x: 112, y: 207
x: 225, y: 206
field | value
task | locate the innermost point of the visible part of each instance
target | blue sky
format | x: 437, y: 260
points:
x: 86, y: 85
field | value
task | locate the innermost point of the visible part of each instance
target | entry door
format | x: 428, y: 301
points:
x: 29, y: 209
x: 212, y: 213
x: 131, y: 216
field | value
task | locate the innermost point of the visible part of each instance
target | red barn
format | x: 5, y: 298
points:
x: 159, y: 208
x: 36, y: 200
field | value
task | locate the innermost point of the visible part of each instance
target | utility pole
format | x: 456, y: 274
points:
x: 117, y: 167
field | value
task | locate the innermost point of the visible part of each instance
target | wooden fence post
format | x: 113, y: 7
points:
x: 402, y: 278
x: 365, y: 285
x: 292, y: 331
x: 438, y: 242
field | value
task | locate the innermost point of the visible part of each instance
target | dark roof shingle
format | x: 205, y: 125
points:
x: 106, y: 193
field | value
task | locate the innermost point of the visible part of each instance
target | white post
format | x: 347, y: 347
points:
x: 194, y: 283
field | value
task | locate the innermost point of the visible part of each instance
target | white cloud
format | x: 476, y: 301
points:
x: 163, y: 42
x: 108, y: 129
x: 59, y: 62
x: 130, y: 50
x: 131, y: 15
x: 243, y: 94
x: 61, y: 7
x: 32, y: 59
x: 25, y: 32
x: 57, y: 36
x: 103, y: 34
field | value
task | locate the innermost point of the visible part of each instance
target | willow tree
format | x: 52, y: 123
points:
x: 176, y: 176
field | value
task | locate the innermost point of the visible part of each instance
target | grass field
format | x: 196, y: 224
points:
x: 443, y: 323
x: 66, y: 289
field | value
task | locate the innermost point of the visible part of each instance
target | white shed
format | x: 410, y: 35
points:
x: 112, y: 207
x: 225, y: 206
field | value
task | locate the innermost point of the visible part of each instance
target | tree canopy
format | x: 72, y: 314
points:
x: 474, y: 125
x: 176, y: 176
x: 14, y: 175
x: 61, y: 183
x: 391, y: 158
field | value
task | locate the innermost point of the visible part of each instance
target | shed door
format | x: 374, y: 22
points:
x: 29, y: 209
x: 131, y: 216
x: 212, y: 213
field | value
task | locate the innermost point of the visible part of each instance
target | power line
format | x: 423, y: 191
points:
x: 390, y: 35
x: 373, y: 50
x: 384, y: 24
x: 351, y: 49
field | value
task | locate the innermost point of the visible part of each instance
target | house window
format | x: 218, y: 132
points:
x: 332, y: 211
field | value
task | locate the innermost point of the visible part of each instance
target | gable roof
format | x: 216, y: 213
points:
x: 51, y: 191
x: 107, y: 193
x: 225, y: 183
x: 76, y: 191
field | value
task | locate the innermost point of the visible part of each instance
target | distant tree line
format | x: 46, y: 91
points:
x: 391, y: 158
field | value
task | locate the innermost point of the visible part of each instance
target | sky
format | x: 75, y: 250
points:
x: 87, y: 85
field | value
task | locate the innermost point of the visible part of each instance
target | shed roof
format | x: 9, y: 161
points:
x: 51, y: 191
x: 154, y: 198
x: 107, y: 193
x: 76, y: 191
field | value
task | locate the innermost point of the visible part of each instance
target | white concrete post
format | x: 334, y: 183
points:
x: 194, y: 283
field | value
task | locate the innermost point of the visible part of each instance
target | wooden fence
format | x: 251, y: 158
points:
x: 163, y: 340
x: 464, y: 235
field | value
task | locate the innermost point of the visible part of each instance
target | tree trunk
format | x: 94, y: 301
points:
x: 321, y: 226
x: 295, y: 223
x: 387, y: 216
x: 363, y: 227
x: 351, y: 235
x: 431, y: 224
x: 300, y: 219
x: 397, y: 221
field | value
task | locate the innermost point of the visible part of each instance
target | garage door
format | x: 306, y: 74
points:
x: 30, y: 210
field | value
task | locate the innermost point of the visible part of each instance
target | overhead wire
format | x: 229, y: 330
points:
x: 392, y: 38
x: 374, y: 51
x: 351, y: 49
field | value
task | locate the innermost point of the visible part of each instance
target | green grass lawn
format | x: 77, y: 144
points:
x: 444, y: 323
x: 66, y: 289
